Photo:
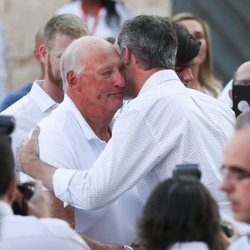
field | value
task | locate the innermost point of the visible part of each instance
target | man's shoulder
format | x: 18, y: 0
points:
x: 23, y: 107
x: 242, y: 243
x: 52, y: 228
x: 56, y: 120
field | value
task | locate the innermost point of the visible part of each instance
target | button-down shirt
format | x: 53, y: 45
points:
x: 28, y: 111
x: 29, y: 233
x: 165, y: 125
x: 67, y: 141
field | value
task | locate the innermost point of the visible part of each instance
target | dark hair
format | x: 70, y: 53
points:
x: 180, y: 209
x: 188, y: 47
x: 110, y: 39
x: 152, y: 39
x: 7, y: 164
x: 112, y: 18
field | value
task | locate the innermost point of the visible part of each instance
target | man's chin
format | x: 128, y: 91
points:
x: 242, y: 218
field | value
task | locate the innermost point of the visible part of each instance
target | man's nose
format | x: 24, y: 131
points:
x: 119, y: 80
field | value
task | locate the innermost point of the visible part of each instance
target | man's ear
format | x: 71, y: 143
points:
x: 126, y: 55
x: 42, y: 52
x: 11, y: 193
x: 71, y: 79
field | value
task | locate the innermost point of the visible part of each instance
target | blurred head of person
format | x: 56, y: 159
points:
x: 188, y: 48
x: 236, y: 166
x: 59, y: 32
x: 7, y: 168
x: 179, y: 210
x: 204, y: 79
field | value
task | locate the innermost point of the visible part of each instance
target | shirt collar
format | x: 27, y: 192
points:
x: 5, y: 209
x: 87, y: 130
x: 41, y: 98
x: 166, y: 76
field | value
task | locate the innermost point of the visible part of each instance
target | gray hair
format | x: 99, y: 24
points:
x: 71, y: 61
x: 152, y: 39
x: 65, y: 24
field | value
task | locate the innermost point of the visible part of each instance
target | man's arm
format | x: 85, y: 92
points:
x: 56, y: 209
x: 130, y: 154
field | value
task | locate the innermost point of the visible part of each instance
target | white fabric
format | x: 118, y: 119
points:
x: 102, y: 30
x: 224, y: 95
x: 196, y: 245
x: 29, y: 233
x: 3, y: 62
x: 67, y: 141
x: 241, y: 244
x: 167, y: 124
x: 28, y: 111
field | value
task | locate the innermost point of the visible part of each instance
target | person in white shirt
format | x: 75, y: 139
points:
x: 236, y: 181
x: 78, y: 130
x: 45, y: 94
x: 29, y: 232
x: 104, y: 18
x: 164, y: 125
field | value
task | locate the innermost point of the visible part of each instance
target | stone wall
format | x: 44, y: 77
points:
x: 22, y: 18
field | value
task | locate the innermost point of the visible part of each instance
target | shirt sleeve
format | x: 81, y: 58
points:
x: 128, y: 156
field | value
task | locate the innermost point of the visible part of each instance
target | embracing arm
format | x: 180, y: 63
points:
x: 30, y: 163
x: 130, y: 154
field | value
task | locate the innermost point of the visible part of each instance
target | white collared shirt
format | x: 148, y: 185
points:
x: 165, y: 125
x: 28, y: 111
x: 67, y: 141
x: 29, y: 233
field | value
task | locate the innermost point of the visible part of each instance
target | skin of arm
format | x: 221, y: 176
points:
x: 57, y: 210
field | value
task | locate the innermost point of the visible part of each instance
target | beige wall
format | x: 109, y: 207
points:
x: 22, y: 18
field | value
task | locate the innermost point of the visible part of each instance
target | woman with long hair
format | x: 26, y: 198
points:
x: 202, y: 69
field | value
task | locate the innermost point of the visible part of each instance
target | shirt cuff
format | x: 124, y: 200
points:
x: 61, y: 181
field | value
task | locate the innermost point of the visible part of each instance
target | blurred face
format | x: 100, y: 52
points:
x: 236, y: 182
x: 53, y: 57
x: 102, y: 82
x: 196, y: 30
x: 184, y: 73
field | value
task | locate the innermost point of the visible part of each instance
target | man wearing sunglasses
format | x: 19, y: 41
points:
x: 236, y: 181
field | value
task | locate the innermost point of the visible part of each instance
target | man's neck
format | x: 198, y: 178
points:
x: 194, y: 83
x: 100, y: 124
x: 55, y: 92
x: 142, y: 76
